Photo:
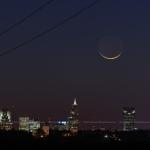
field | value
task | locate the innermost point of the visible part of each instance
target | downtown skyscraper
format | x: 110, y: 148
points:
x: 128, y: 118
x: 73, y: 119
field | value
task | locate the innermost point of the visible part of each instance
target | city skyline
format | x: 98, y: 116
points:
x: 72, y: 121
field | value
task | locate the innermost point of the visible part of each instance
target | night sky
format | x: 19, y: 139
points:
x: 42, y: 78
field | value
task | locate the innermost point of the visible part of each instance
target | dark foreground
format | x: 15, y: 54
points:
x: 93, y: 139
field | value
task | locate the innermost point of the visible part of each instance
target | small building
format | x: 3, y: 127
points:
x: 45, y: 129
x: 34, y: 126
x: 24, y: 124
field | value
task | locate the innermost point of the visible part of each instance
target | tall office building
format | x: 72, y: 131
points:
x: 73, y: 119
x: 5, y: 120
x: 24, y: 124
x: 128, y: 118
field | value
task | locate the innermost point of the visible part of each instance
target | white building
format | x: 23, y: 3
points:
x: 25, y: 124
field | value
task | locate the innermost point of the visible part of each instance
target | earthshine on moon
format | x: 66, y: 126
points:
x: 110, y: 48
x: 110, y: 58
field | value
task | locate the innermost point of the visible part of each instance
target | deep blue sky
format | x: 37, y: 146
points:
x: 42, y: 78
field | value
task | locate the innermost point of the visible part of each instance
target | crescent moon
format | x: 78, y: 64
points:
x: 110, y: 58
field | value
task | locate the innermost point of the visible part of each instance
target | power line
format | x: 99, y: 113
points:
x: 67, y: 19
x: 11, y: 27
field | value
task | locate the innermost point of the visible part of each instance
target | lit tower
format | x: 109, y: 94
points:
x: 74, y: 118
x: 5, y: 120
x: 128, y: 118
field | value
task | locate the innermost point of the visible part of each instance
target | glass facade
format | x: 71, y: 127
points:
x: 128, y: 118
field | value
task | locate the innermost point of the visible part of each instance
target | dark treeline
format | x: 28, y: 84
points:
x: 21, y: 140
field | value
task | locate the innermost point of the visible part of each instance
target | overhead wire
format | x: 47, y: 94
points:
x: 67, y: 19
x: 25, y: 18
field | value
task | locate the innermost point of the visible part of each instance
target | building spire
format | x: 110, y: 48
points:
x: 75, y: 102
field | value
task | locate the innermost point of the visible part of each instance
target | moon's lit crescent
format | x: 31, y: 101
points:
x: 110, y: 58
